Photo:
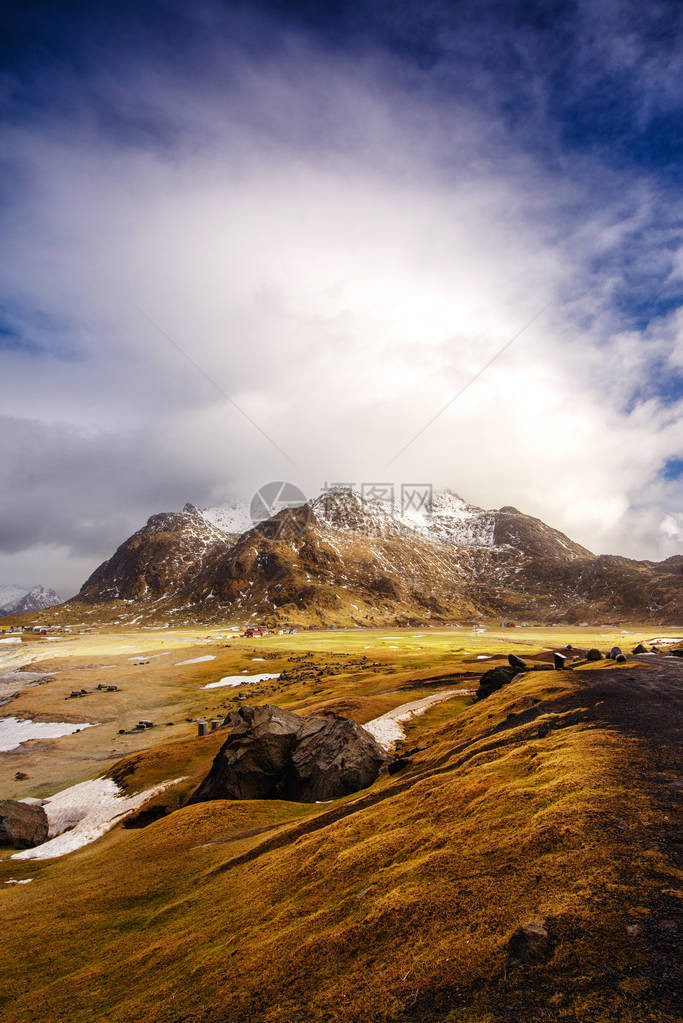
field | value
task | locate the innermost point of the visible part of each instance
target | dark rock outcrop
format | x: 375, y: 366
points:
x: 516, y: 662
x: 593, y: 655
x: 333, y: 757
x: 254, y: 762
x: 640, y: 649
x: 22, y: 825
x: 493, y: 680
x: 274, y: 754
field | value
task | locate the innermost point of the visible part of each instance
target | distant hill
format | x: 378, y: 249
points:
x: 347, y: 560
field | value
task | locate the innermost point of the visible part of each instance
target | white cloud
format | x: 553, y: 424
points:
x: 340, y: 257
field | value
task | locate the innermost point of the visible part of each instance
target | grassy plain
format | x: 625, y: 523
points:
x: 551, y: 799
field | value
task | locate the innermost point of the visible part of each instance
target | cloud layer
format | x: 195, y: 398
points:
x: 340, y: 237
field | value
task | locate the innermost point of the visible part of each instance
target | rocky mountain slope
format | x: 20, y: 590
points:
x: 15, y: 600
x: 159, y: 561
x: 344, y: 560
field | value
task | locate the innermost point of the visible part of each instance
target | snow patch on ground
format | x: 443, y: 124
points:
x: 15, y: 731
x: 238, y: 680
x: 25, y: 880
x: 88, y: 810
x: 196, y: 660
x: 387, y: 729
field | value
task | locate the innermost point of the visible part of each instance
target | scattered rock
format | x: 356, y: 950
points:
x: 640, y: 649
x: 530, y: 943
x: 494, y: 679
x: 20, y: 776
x: 593, y: 655
x: 22, y: 825
x: 516, y: 662
x: 620, y: 658
x: 614, y: 652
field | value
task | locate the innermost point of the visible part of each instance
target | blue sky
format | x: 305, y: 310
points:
x: 340, y: 212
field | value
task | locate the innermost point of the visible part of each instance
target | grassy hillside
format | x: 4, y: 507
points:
x: 552, y: 799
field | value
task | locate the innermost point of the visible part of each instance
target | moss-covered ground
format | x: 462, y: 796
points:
x: 553, y: 799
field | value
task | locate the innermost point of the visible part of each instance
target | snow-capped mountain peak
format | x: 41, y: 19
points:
x: 16, y: 600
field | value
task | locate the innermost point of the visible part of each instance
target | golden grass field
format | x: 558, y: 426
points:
x: 546, y: 800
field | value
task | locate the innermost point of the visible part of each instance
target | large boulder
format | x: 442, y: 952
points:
x: 275, y: 754
x: 593, y: 655
x: 494, y: 679
x: 22, y: 825
x: 254, y: 761
x: 333, y: 756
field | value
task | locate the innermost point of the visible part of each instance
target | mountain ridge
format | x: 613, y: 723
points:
x: 343, y: 559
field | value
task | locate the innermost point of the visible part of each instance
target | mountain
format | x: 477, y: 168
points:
x: 344, y: 559
x: 158, y: 562
x: 15, y: 600
x: 11, y: 594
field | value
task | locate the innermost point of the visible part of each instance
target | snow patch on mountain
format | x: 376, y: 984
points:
x: 229, y: 518
x: 451, y: 520
x: 15, y: 600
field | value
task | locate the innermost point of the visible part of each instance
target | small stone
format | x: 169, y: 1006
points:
x: 530, y: 943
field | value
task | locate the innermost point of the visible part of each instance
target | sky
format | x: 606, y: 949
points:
x: 265, y: 241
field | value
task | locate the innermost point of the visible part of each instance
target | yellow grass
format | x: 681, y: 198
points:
x: 394, y: 904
